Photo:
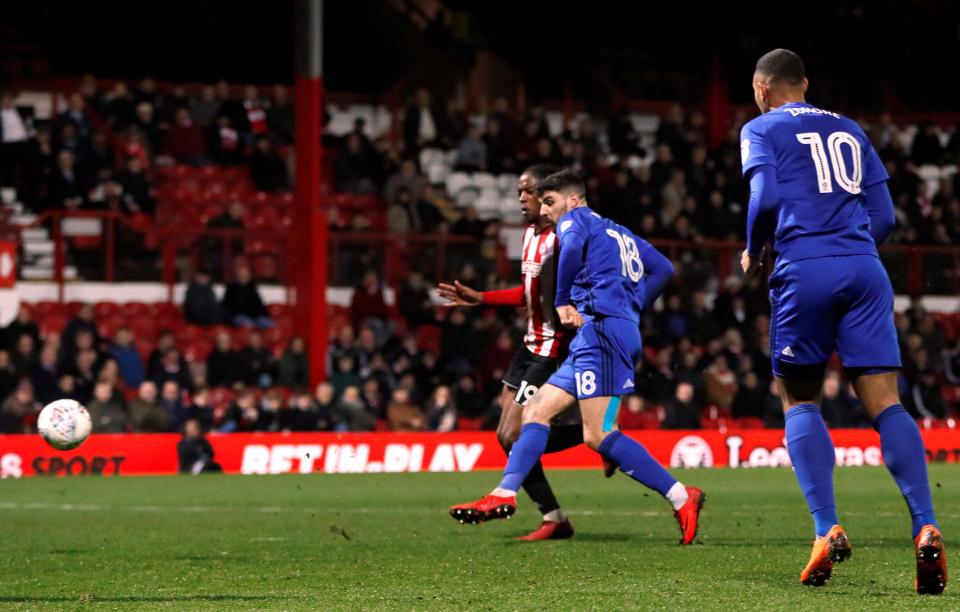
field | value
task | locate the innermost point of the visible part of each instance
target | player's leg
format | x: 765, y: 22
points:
x: 508, y: 430
x: 601, y: 376
x: 534, y: 373
x: 802, y: 334
x: 525, y: 453
x: 900, y: 442
x: 867, y: 343
x: 810, y: 447
x: 548, y: 402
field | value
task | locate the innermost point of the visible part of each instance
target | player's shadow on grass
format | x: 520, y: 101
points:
x: 602, y: 537
x: 132, y: 598
x: 609, y: 537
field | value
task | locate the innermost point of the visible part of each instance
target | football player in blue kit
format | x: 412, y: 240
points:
x: 606, y: 278
x: 818, y: 193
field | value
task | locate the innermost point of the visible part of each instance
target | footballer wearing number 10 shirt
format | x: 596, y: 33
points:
x: 818, y: 192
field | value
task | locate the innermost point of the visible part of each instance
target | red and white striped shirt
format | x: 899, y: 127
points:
x: 539, y: 266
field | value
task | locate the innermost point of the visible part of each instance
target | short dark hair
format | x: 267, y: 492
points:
x: 564, y: 181
x: 782, y: 65
x: 538, y: 172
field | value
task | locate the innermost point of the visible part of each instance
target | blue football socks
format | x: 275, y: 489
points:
x: 524, y: 454
x: 906, y: 460
x: 811, y: 452
x: 636, y: 462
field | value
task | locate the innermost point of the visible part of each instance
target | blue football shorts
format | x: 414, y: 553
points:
x: 832, y: 303
x: 601, y: 359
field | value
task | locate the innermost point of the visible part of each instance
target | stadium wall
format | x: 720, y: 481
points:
x: 278, y: 453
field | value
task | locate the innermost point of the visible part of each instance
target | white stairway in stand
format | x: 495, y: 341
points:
x: 36, y: 254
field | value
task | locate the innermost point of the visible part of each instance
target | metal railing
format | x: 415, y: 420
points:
x: 135, y: 248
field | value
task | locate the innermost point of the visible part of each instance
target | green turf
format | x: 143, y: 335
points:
x: 385, y: 541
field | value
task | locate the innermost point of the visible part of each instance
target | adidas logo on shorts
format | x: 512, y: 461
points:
x: 787, y: 352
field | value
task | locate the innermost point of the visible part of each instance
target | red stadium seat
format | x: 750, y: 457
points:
x: 428, y: 338
x: 467, y: 424
x: 44, y: 309
x: 52, y: 323
x: 105, y: 309
x: 72, y: 308
x: 266, y: 217
x: 279, y: 310
x: 108, y: 326
x: 748, y: 423
x: 276, y: 336
x: 198, y: 350
x: 161, y: 309
x: 137, y: 309
x: 144, y: 347
x: 708, y: 423
x: 188, y: 333
x: 264, y: 267
x: 236, y: 173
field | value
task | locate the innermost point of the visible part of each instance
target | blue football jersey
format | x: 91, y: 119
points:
x: 610, y: 279
x: 824, y: 162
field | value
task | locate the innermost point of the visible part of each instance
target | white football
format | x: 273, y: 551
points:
x: 64, y: 424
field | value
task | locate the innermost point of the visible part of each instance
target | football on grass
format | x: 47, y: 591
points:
x: 64, y: 424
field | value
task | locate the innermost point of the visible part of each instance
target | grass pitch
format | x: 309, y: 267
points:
x: 382, y: 541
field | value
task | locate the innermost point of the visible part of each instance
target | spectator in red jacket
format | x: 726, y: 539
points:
x: 632, y: 414
x: 184, y: 140
x: 369, y: 308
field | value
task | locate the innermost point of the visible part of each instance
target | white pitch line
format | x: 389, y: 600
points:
x: 5, y: 505
x: 272, y: 509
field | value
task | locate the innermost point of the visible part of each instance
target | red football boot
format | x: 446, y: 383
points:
x: 550, y: 530
x: 689, y: 514
x: 484, y: 509
x: 931, y: 562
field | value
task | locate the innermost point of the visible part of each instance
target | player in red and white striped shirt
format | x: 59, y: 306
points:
x: 545, y: 344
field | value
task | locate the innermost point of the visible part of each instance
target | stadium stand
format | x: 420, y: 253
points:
x: 129, y: 169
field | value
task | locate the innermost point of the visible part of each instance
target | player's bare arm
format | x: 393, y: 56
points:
x: 459, y: 294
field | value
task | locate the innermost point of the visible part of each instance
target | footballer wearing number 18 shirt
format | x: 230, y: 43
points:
x: 818, y: 192
x: 606, y: 278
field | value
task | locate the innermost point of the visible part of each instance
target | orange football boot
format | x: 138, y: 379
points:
x: 831, y: 548
x: 931, y: 561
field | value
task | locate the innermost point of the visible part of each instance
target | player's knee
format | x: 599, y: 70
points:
x: 594, y: 438
x: 536, y: 411
x: 795, y: 391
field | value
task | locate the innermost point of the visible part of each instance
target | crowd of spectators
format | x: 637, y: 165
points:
x: 706, y: 364
x: 80, y: 159
x: 415, y: 367
x: 675, y: 187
